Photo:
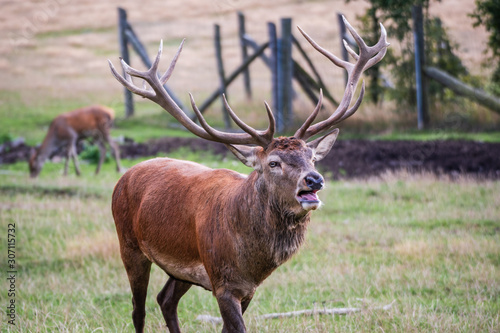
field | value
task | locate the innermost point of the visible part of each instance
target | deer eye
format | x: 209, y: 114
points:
x: 273, y: 164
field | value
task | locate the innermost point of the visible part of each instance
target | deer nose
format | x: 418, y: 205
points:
x: 314, y: 181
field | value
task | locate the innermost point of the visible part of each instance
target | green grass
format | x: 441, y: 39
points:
x: 428, y: 244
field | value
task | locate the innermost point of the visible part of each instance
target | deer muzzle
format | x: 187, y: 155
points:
x: 307, y: 192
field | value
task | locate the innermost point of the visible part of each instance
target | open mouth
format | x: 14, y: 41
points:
x: 308, y: 196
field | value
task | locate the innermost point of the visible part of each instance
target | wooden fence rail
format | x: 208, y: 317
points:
x: 478, y: 95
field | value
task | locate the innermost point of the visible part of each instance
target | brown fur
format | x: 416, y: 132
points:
x: 284, y: 143
x: 65, y: 131
x: 217, y: 229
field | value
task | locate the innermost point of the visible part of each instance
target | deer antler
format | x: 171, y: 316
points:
x: 368, y: 56
x: 159, y: 95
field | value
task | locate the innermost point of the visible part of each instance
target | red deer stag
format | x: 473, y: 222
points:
x: 66, y: 129
x: 219, y: 229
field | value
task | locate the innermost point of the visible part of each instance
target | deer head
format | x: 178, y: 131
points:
x: 34, y: 165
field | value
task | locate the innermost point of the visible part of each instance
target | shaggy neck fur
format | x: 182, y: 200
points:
x: 274, y: 226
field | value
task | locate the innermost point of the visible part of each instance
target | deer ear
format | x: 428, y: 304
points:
x: 322, y: 146
x: 245, y: 154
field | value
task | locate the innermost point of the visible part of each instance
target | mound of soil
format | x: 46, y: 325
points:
x: 362, y: 158
x: 14, y: 151
x: 348, y: 158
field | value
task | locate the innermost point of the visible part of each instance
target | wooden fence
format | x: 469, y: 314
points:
x: 284, y: 68
x: 126, y: 37
x: 422, y: 72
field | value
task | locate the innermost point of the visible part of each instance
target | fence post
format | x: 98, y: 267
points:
x: 122, y: 38
x: 285, y: 74
x: 273, y: 65
x: 418, y: 36
x: 343, y: 33
x: 244, y: 52
x: 222, y: 76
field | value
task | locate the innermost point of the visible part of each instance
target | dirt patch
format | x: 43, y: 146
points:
x: 349, y: 158
x: 364, y: 158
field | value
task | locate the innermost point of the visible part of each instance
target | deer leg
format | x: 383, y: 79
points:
x: 72, y: 152
x: 138, y: 268
x: 102, y: 155
x: 244, y: 305
x: 232, y: 312
x: 74, y: 156
x: 66, y: 162
x: 168, y: 298
x: 115, y: 151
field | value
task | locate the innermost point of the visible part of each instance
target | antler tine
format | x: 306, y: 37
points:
x: 355, y: 106
x: 350, y: 50
x: 159, y: 95
x: 264, y: 137
x: 269, y: 133
x: 361, y: 43
x: 367, y: 57
x: 212, y: 131
x: 300, y: 132
x: 251, y: 136
x: 337, y: 116
x: 129, y: 71
x: 333, y: 58
x: 381, y: 45
x: 170, y: 69
x: 127, y: 83
x: 154, y: 67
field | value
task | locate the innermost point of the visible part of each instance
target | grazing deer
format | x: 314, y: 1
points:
x: 219, y: 229
x: 66, y: 129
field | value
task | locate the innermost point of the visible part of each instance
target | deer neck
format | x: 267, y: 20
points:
x: 45, y: 150
x: 272, y: 224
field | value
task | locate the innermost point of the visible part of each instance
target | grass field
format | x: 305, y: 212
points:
x: 430, y: 245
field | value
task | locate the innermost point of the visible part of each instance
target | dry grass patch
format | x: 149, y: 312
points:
x: 102, y: 245
x: 413, y: 248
